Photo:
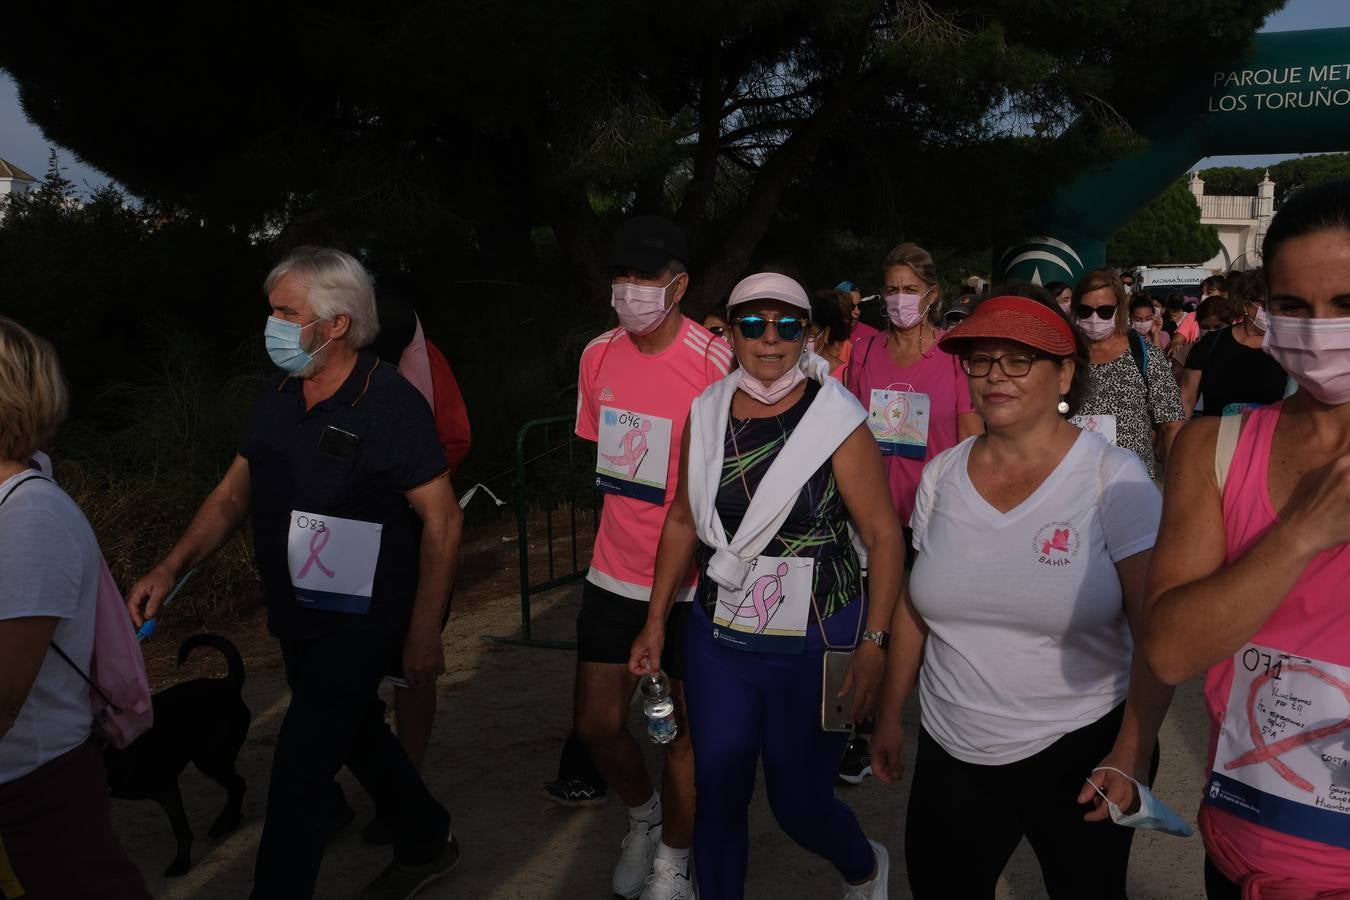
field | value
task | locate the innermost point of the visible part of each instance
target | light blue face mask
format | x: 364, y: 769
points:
x: 282, y: 339
x: 1152, y: 814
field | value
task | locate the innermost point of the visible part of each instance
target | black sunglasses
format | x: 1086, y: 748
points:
x: 789, y: 328
x: 717, y: 330
x: 1083, y: 311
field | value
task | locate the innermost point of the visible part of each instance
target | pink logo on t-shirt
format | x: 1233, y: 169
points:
x: 1056, y: 544
x: 606, y: 395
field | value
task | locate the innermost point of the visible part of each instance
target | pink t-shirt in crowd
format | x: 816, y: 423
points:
x: 936, y: 374
x: 635, y: 407
x: 1189, y: 327
x: 1275, y: 814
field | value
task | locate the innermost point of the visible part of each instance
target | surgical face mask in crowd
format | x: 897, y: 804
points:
x: 1129, y: 287
x: 772, y: 393
x: 641, y: 307
x: 1261, y: 319
x: 284, y: 344
x: 1143, y: 326
x: 1066, y: 305
x: 1152, y: 814
x: 906, y: 310
x: 1097, y: 329
x: 1315, y: 353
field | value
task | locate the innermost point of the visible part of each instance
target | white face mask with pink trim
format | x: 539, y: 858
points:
x: 1315, y: 353
x: 769, y: 394
x: 641, y: 307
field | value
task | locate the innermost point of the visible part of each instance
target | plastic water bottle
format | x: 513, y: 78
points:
x: 660, y: 709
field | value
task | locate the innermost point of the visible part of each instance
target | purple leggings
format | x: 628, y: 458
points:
x: 743, y: 705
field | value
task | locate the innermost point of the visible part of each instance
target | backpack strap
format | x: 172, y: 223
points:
x: 1139, y: 350
x: 22, y: 481
x: 59, y: 652
x: 1225, y: 448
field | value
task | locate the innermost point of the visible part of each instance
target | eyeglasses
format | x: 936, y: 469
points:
x: 1083, y: 311
x: 1014, y: 365
x: 717, y: 330
x: 789, y: 328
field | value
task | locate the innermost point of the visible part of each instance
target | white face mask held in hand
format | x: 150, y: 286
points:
x: 1153, y: 814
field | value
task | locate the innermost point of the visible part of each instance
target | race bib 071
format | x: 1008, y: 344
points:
x: 1283, y: 756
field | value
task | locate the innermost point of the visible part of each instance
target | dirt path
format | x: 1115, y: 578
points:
x: 504, y: 714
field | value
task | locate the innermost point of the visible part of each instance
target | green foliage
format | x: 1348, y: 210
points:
x: 1289, y: 175
x: 1166, y: 231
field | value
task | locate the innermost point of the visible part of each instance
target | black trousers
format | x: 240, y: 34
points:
x: 336, y: 719
x: 1217, y: 885
x: 965, y: 820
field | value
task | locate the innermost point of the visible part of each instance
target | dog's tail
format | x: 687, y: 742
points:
x: 227, y: 649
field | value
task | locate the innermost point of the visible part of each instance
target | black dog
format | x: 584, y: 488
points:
x: 204, y: 722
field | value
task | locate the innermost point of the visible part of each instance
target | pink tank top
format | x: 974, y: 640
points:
x: 1275, y: 814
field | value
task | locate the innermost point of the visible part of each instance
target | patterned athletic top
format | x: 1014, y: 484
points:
x: 1117, y: 389
x: 817, y: 526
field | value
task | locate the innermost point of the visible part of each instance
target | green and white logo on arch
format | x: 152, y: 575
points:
x: 1290, y: 94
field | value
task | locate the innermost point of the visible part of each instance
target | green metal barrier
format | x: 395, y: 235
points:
x: 558, y: 477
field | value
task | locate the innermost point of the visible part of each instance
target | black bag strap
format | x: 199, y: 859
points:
x: 1140, y: 353
x: 55, y: 646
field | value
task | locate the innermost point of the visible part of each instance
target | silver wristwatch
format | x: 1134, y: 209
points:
x: 881, y: 638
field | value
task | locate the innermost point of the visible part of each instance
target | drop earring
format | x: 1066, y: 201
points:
x: 1063, y: 406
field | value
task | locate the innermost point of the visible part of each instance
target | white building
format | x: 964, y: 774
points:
x: 1240, y: 221
x: 14, y: 180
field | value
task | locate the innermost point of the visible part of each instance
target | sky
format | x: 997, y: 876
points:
x: 22, y: 143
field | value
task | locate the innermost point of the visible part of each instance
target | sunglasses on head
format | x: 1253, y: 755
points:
x: 789, y: 328
x: 1083, y: 311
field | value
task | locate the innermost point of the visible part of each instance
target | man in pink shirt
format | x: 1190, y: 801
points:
x: 634, y: 390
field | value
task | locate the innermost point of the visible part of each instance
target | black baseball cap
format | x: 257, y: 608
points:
x: 647, y: 244
x: 961, y: 308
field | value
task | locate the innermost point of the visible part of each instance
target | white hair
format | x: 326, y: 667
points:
x: 337, y: 284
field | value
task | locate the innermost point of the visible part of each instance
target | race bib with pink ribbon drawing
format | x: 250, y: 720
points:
x: 633, y: 454
x: 772, y: 609
x: 332, y: 561
x: 1283, y: 756
x: 899, y: 422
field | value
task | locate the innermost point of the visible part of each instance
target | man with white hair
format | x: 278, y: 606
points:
x: 356, y: 533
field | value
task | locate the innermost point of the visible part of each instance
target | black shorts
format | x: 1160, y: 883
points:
x: 609, y: 623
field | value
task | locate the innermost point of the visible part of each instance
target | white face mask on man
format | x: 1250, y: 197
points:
x: 641, y: 307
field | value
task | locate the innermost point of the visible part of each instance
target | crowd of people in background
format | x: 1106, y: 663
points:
x: 806, y: 521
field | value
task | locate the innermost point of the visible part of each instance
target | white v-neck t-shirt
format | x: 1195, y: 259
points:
x: 1027, y: 637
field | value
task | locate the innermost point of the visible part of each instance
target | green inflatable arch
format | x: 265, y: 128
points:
x: 1291, y: 94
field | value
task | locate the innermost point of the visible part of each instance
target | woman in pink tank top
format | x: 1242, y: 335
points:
x: 1259, y: 601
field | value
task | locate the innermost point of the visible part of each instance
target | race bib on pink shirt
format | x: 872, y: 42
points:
x: 633, y: 454
x: 1283, y: 757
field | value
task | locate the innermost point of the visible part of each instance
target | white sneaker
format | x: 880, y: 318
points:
x: 635, y: 858
x: 875, y: 889
x: 667, y: 882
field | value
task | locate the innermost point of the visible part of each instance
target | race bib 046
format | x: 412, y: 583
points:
x: 770, y: 612
x: 332, y: 561
x: 633, y: 454
x: 1283, y: 756
x: 899, y: 422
